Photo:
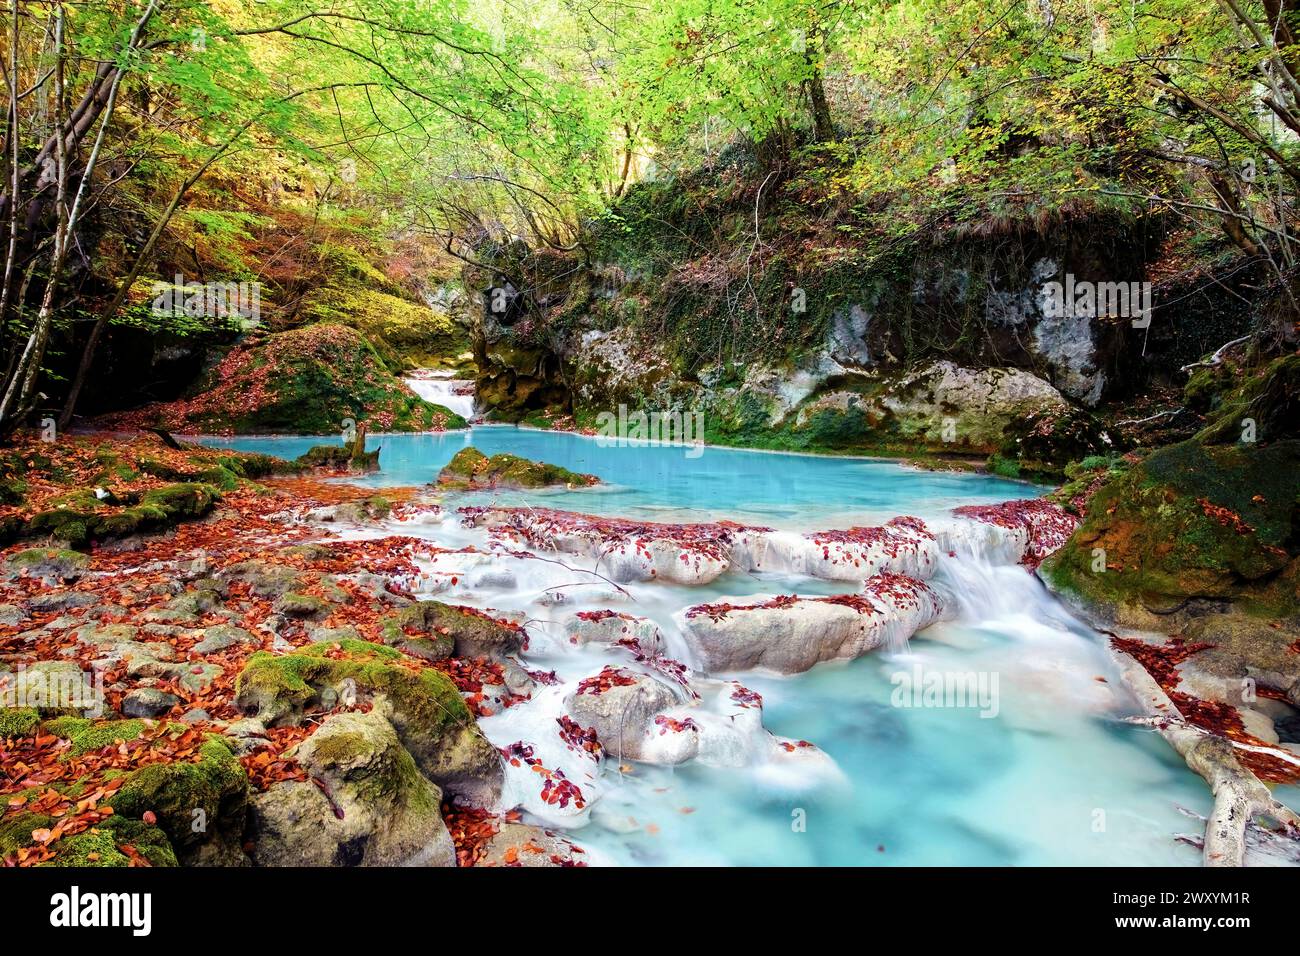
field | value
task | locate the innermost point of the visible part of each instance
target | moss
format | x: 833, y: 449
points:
x: 87, y: 735
x: 17, y: 721
x: 81, y: 518
x: 400, y: 777
x: 1193, y: 520
x: 176, y: 792
x: 408, y: 335
x: 95, y: 847
x: 16, y: 830
x: 280, y: 688
x: 1268, y: 398
x: 102, y: 845
x: 66, y: 561
x: 150, y: 841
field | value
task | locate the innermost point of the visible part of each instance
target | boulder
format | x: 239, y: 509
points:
x: 614, y: 627
x: 367, y: 803
x: 621, y: 706
x: 427, y: 711
x: 50, y: 565
x: 442, y: 630
x: 790, y: 634
x: 148, y: 702
x: 471, y: 470
x: 202, y: 806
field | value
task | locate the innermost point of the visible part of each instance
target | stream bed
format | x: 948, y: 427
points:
x: 1045, y: 772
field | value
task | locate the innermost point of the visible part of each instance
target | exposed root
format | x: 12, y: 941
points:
x: 1239, y: 796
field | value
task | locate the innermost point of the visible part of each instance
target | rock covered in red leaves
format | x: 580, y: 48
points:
x: 615, y: 627
x: 1035, y: 527
x: 695, y: 554
x: 903, y: 545
x: 631, y: 550
x: 789, y: 634
x: 622, y: 705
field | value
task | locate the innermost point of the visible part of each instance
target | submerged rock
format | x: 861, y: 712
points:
x: 518, y: 844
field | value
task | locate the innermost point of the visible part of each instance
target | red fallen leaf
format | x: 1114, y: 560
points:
x: 149, y: 817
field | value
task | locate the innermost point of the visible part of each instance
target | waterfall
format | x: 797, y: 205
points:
x: 441, y: 389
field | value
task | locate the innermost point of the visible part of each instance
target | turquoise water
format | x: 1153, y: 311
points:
x: 665, y: 482
x: 1057, y: 777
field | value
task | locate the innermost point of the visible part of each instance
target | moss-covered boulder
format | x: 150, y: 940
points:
x: 106, y: 845
x: 1264, y: 407
x: 85, y: 735
x: 1191, y: 522
x: 82, y: 517
x: 471, y: 470
x: 435, y: 630
x: 201, y: 806
x: 51, y: 565
x: 339, y: 458
x: 367, y: 803
x: 430, y: 716
x: 306, y: 380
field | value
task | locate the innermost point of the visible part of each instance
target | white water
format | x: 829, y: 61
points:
x: 1053, y: 777
x: 440, y: 388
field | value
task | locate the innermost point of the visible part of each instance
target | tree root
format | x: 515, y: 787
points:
x: 1239, y: 796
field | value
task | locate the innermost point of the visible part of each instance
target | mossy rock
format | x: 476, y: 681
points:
x: 50, y: 564
x: 1264, y: 408
x: 1040, y: 444
x: 406, y: 334
x: 194, y: 803
x: 264, y: 578
x: 470, y: 469
x: 428, y: 712
x: 82, y: 518
x: 338, y: 458
x: 303, y: 606
x: 101, y: 846
x: 1193, y: 521
x: 446, y: 630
